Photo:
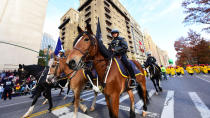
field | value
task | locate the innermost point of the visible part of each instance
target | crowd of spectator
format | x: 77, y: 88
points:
x: 10, y: 85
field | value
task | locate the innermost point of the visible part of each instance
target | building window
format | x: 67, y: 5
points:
x: 107, y: 16
x: 88, y: 14
x: 108, y: 23
x: 107, y: 10
x: 108, y: 30
x: 109, y: 37
x: 63, y: 33
x: 107, y: 4
x: 88, y: 20
x: 88, y: 8
x: 130, y: 42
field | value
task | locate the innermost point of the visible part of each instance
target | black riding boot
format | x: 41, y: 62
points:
x: 130, y: 70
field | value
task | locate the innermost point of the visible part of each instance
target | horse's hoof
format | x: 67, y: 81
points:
x: 156, y: 93
x: 81, y: 100
x: 144, y: 113
x: 92, y: 109
x: 49, y: 110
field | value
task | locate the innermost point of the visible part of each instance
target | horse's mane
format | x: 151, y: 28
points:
x: 102, y: 48
x: 34, y: 69
x: 78, y: 37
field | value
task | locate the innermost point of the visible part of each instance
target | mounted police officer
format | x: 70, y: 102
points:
x: 151, y: 60
x: 61, y: 53
x: 119, y: 47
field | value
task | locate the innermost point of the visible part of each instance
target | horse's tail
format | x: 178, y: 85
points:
x: 139, y: 87
x: 141, y: 94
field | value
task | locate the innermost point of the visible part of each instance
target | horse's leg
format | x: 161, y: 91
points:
x: 132, y: 107
x: 61, y: 91
x: 153, y: 81
x: 67, y: 91
x: 49, y: 97
x: 77, y: 103
x: 115, y: 104
x: 158, y: 83
x: 108, y: 105
x: 145, y: 98
x: 30, y: 110
x: 92, y: 108
x: 50, y: 100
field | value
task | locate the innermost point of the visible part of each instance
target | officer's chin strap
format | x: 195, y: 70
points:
x: 95, y: 88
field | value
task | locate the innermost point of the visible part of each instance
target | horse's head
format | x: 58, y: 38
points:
x: 57, y: 67
x: 22, y: 73
x: 84, y: 47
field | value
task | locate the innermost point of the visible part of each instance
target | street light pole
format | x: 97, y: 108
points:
x: 46, y: 62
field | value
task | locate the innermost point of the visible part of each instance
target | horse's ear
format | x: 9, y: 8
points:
x: 20, y: 66
x: 79, y: 29
x: 88, y: 27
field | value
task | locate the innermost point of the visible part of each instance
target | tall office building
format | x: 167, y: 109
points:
x: 68, y: 28
x: 47, y: 40
x: 112, y: 15
x: 21, y: 27
x: 160, y: 55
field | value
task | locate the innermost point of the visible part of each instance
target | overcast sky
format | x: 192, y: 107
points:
x: 162, y: 19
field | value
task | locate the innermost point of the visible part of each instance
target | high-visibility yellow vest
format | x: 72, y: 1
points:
x: 189, y: 69
x: 182, y: 70
x: 173, y: 71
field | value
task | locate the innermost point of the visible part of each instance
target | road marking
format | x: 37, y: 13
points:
x: 202, y: 79
x: 126, y: 96
x: 201, y: 107
x: 168, y: 109
x: 88, y: 99
x: 46, y: 111
x: 86, y: 94
x: 205, y: 75
x: 140, y: 103
x: 66, y: 113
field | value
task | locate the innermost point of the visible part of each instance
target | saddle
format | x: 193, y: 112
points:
x: 123, y: 71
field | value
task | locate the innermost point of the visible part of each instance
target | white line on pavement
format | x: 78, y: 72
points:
x: 66, y: 113
x: 168, y: 109
x: 87, y: 99
x: 140, y: 103
x: 202, y: 79
x: 126, y: 96
x: 201, y: 107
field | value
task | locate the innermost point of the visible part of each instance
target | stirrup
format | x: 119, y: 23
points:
x: 133, y: 81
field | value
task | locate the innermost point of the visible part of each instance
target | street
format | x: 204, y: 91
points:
x: 182, y: 97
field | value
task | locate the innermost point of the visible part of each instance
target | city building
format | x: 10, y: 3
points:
x: 68, y: 28
x: 160, y: 55
x: 21, y: 29
x: 47, y: 40
x: 112, y: 15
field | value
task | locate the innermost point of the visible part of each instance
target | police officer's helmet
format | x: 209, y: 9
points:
x: 148, y: 53
x: 62, y: 51
x: 115, y: 31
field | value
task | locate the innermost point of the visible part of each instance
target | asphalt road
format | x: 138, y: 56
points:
x: 183, y: 97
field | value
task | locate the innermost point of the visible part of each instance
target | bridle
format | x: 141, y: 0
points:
x: 58, y: 78
x: 85, y: 54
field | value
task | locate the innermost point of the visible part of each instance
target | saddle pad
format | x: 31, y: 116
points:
x: 94, y: 73
x: 124, y: 71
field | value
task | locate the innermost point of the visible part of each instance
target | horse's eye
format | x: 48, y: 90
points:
x: 86, y: 39
x: 53, y: 66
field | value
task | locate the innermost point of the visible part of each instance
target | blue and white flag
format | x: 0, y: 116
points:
x: 58, y: 47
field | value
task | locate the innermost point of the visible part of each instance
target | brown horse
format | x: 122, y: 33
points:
x: 77, y: 82
x: 86, y: 47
